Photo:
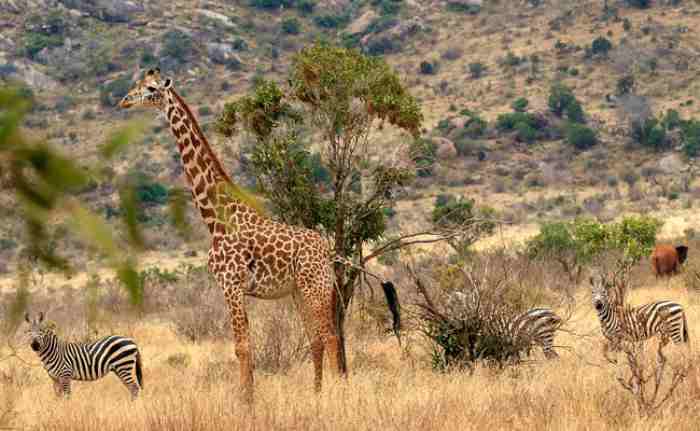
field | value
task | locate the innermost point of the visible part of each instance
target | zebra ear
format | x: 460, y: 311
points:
x: 26, y: 317
x: 592, y: 281
x: 41, y: 316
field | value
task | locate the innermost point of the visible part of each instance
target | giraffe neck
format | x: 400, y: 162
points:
x: 203, y: 170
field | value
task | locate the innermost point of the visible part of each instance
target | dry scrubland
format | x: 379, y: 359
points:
x: 194, y: 385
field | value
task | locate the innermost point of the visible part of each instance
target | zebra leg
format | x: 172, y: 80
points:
x: 127, y: 375
x: 57, y: 389
x: 64, y: 384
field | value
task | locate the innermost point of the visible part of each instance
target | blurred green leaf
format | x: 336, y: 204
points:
x: 177, y: 207
x: 118, y: 140
x: 127, y: 274
x: 130, y: 211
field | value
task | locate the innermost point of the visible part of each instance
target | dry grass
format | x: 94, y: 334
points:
x: 194, y: 386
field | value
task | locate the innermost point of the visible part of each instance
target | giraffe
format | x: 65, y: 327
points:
x: 250, y: 254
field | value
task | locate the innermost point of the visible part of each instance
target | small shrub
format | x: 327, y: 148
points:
x: 525, y: 133
x: 428, y: 68
x: 601, y: 46
x: 560, y: 97
x: 476, y: 70
x: 330, y: 21
x: 306, y: 7
x: 291, y: 26
x: 271, y: 4
x: 640, y: 4
x: 178, y: 45
x: 520, y: 105
x: 204, y: 111
x: 625, y: 85
x: 580, y: 136
x: 649, y: 133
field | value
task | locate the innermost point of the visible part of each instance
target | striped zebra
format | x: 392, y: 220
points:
x: 536, y: 326
x: 65, y: 361
x: 619, y: 322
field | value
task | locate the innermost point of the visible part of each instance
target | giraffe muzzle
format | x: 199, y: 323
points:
x: 126, y: 102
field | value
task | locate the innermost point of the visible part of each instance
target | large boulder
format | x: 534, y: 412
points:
x: 215, y: 16
x: 672, y: 164
x: 222, y: 53
x: 361, y: 23
x: 107, y: 10
x: 444, y: 148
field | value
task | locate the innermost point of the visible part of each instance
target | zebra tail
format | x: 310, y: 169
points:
x: 392, y: 300
x: 139, y: 372
x: 686, y: 337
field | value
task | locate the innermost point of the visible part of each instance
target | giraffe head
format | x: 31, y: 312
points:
x: 149, y: 91
x: 39, y: 332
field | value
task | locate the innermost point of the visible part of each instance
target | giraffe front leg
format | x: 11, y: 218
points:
x: 241, y: 334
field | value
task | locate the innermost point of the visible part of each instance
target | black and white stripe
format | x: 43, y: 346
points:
x: 65, y: 361
x: 539, y: 325
x: 536, y: 326
x: 619, y: 322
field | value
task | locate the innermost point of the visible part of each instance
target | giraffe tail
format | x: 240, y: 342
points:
x: 392, y: 300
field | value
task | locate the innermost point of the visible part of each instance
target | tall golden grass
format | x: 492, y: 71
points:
x: 194, y: 386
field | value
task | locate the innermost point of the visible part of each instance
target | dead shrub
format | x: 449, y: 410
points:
x: 465, y: 311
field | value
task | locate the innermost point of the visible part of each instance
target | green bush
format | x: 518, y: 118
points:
x: 560, y: 97
x: 580, y: 136
x: 271, y: 4
x: 428, y: 68
x: 510, y: 121
x: 388, y: 7
x: 520, y: 104
x: 423, y: 154
x: 650, y: 133
x: 625, y: 85
x: 601, y: 46
x: 641, y: 4
x: 476, y: 70
x: 475, y: 125
x: 178, y: 45
x: 450, y: 211
x: 306, y: 7
x: 574, y: 112
x: 690, y: 133
x: 291, y: 26
x: 114, y: 91
x: 575, y: 244
x: 330, y: 21
x: 151, y: 192
x: 35, y: 42
x: 525, y: 133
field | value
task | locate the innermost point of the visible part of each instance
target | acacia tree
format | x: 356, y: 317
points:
x: 339, y: 96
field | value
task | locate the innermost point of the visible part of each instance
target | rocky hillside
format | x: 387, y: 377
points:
x: 541, y: 109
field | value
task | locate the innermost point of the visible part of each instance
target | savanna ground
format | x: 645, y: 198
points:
x: 191, y: 374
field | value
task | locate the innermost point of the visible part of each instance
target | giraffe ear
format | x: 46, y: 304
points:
x: 167, y: 83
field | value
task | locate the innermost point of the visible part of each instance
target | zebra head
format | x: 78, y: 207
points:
x: 600, y: 293
x: 39, y: 333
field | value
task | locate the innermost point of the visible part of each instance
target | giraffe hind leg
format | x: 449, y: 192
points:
x: 313, y: 333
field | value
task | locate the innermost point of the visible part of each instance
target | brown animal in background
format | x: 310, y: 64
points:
x: 667, y: 259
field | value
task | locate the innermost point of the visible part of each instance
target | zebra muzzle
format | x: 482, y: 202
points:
x: 35, y: 346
